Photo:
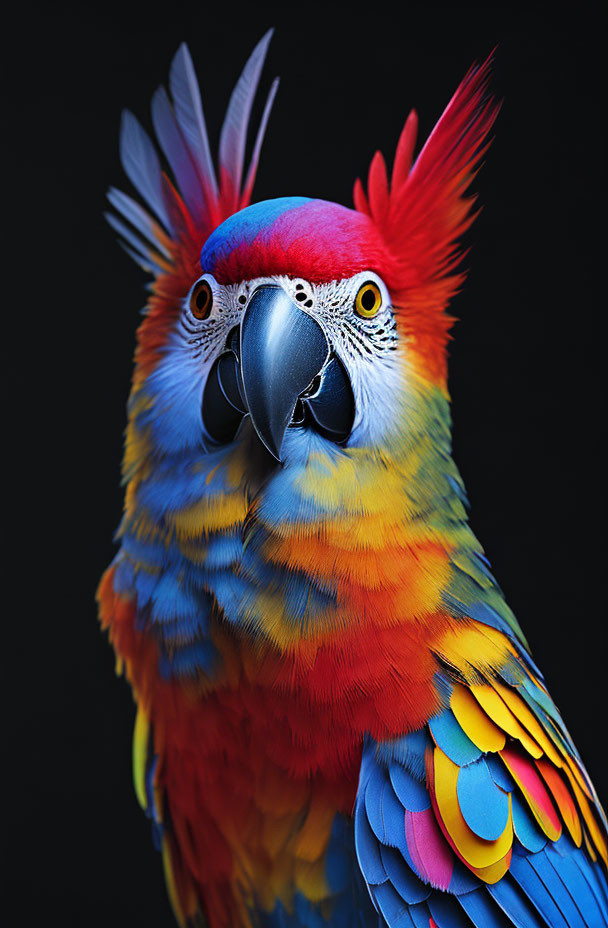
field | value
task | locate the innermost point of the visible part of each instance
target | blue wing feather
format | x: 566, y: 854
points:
x: 450, y: 737
x: 484, y: 805
x: 508, y: 895
x: 548, y: 885
x: 483, y: 911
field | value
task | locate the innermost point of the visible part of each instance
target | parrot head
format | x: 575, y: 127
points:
x: 306, y: 319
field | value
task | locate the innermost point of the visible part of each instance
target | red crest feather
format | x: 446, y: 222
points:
x: 424, y: 211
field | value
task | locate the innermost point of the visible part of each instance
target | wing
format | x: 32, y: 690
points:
x: 166, y: 235
x: 485, y: 817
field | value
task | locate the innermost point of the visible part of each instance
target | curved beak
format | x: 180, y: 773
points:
x: 282, y: 351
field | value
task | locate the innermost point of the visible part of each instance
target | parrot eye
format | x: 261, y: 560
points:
x: 201, y: 300
x: 368, y: 300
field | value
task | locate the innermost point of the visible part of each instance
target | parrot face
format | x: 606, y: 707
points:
x: 283, y: 351
x: 294, y: 354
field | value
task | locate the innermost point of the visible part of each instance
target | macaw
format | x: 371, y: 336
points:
x: 339, y: 721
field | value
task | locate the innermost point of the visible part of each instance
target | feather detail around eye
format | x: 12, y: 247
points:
x: 166, y: 235
x: 424, y: 210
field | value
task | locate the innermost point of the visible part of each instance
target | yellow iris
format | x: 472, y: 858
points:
x: 368, y: 300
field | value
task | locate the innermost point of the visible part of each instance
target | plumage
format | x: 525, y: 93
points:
x: 233, y: 136
x: 339, y: 721
x: 189, y: 112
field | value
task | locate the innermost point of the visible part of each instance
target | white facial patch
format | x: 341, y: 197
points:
x: 368, y: 348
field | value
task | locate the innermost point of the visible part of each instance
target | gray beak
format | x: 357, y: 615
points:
x: 282, y: 351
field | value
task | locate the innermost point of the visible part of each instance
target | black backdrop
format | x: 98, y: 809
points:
x: 526, y: 365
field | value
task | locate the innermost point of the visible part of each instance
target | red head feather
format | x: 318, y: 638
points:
x: 424, y: 211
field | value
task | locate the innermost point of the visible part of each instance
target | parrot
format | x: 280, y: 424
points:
x: 338, y: 718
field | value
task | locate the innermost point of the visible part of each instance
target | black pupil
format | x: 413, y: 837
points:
x: 202, y: 298
x: 368, y: 300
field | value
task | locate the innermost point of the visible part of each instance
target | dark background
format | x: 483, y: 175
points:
x: 526, y: 364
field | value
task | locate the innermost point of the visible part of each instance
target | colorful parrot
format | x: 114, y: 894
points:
x: 339, y: 722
